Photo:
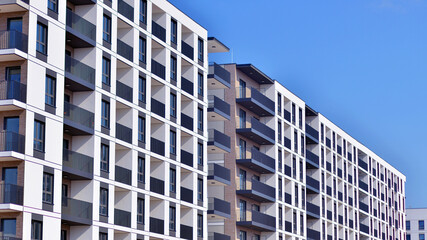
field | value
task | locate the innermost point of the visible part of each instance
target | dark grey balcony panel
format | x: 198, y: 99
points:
x: 187, y: 158
x: 350, y: 178
x: 77, y: 121
x: 220, y: 74
x: 124, y: 50
x: 258, y: 132
x: 187, y: 50
x: 330, y: 237
x: 328, y: 142
x: 219, y: 207
x: 340, y: 219
x: 340, y: 196
x: 329, y: 191
x: 13, y: 39
x: 329, y: 215
x: 313, y: 234
x: 186, y: 195
x: 312, y: 185
x: 311, y: 159
x: 258, y: 162
x: 339, y: 149
x: 158, y: 69
x: 10, y: 89
x: 255, y: 74
x: 80, y: 32
x: 219, y: 140
x: 364, y: 228
x: 329, y: 166
x: 12, y: 141
x: 219, y: 173
x: 158, y: 31
x: 287, y: 115
x: 186, y: 232
x: 350, y: 223
x: 288, y: 198
x: 312, y: 134
x: 157, y: 225
x: 217, y: 236
x: 219, y: 106
x: 257, y: 102
x: 259, y: 192
x: 339, y: 172
x: 363, y: 207
x: 123, y: 175
x: 187, y: 85
x: 122, y: 218
x: 124, y: 91
x: 11, y: 193
x: 349, y: 156
x: 157, y: 146
x: 76, y: 212
x: 77, y: 166
x: 363, y: 185
x: 10, y: 237
x: 288, y: 171
x: 123, y: 133
x: 78, y: 76
x: 157, y: 107
x: 82, y: 2
x: 125, y: 9
x: 313, y: 211
x: 187, y: 121
x: 259, y: 222
x: 350, y: 201
x: 287, y: 143
x: 363, y: 164
x: 157, y: 185
x: 288, y: 227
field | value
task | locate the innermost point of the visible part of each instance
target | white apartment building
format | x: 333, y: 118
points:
x: 415, y: 220
x: 103, y: 110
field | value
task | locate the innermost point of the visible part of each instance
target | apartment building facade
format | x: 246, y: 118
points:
x: 104, y: 120
x: 415, y: 220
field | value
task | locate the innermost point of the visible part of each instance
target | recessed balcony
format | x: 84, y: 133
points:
x: 218, y: 142
x: 218, y: 77
x: 257, y: 191
x: 256, y: 131
x: 13, y: 46
x: 122, y: 218
x: 218, y: 110
x: 311, y: 134
x: 257, y: 161
x: 218, y: 208
x: 80, y: 32
x: 312, y: 185
x: 158, y: 31
x: 77, y: 166
x: 78, y: 76
x: 76, y: 212
x: 218, y: 175
x: 312, y: 159
x: 257, y: 221
x: 255, y: 101
x: 313, y: 211
x: 123, y: 175
x: 187, y: 50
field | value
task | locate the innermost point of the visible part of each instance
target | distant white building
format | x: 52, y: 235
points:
x: 415, y: 223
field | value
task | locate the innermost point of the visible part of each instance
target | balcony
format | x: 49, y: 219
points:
x: 363, y: 165
x: 218, y: 142
x: 80, y: 32
x: 11, y: 141
x: 187, y: 122
x: 157, y: 225
x: 313, y: 234
x: 123, y: 175
x: 76, y: 212
x: 186, y: 195
x: 313, y: 210
x: 363, y: 185
x: 257, y: 161
x: 187, y: 158
x: 77, y: 121
x: 125, y: 50
x: 186, y: 232
x: 123, y: 133
x: 157, y: 185
x: 312, y: 159
x: 312, y: 134
x: 217, y: 236
x: 257, y: 191
x: 256, y: 131
x: 218, y: 110
x: 288, y: 171
x: 328, y: 142
x: 287, y: 143
x: 255, y: 101
x: 78, y: 76
x: 364, y: 207
x: 125, y: 9
x: 11, y: 194
x: 158, y: 69
x: 124, y: 91
x: 158, y: 31
x: 157, y: 107
x: 11, y: 90
x: 257, y: 221
x: 364, y: 228
x: 288, y: 198
x: 157, y: 146
x: 312, y: 185
x: 14, y: 6
x: 187, y: 86
x: 288, y: 227
x: 218, y: 174
x: 122, y: 218
x: 77, y: 166
x: 187, y: 50
x: 218, y: 208
x: 218, y: 74
x: 13, y: 46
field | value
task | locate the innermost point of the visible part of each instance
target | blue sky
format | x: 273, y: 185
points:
x: 363, y: 64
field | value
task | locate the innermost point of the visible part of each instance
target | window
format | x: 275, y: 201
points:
x: 173, y: 105
x: 295, y: 141
x: 105, y: 157
x: 200, y: 189
x: 296, y: 203
x: 242, y: 118
x: 106, y: 29
x: 174, y: 37
x: 103, y: 202
x: 8, y: 227
x: 408, y: 225
x: 280, y: 187
x: 172, y: 141
x: 279, y: 103
x: 39, y: 133
x: 200, y: 49
x: 242, y: 179
x: 141, y: 169
x: 140, y: 211
x: 52, y: 5
x: 103, y: 236
x: 173, y: 68
x: 142, y: 50
x: 279, y: 131
x: 293, y: 113
x: 200, y: 154
x: 422, y: 237
x: 242, y: 149
x: 50, y: 91
x: 242, y: 235
x: 280, y: 217
x: 200, y: 119
x: 421, y: 225
x: 172, y: 179
x: 300, y: 117
x: 200, y: 84
x: 142, y: 89
x: 141, y: 129
x: 200, y: 225
x: 36, y: 230
x: 172, y: 218
x: 47, y: 188
x: 105, y: 114
x: 106, y: 71
x: 41, y: 42
x: 143, y: 11
x: 408, y: 236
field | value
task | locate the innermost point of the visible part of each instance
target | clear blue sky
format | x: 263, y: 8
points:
x: 363, y: 64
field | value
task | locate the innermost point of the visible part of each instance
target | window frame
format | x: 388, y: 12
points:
x: 173, y: 105
x: 200, y: 116
x: 106, y: 28
x: 200, y: 188
x: 200, y: 84
x: 172, y: 218
x: 105, y: 114
x: 140, y: 211
x: 40, y: 132
x: 174, y: 31
x: 200, y: 225
x: 39, y: 225
x: 50, y: 91
x: 172, y: 180
x: 103, y: 202
x: 53, y: 3
x: 143, y: 11
x: 142, y: 89
x: 172, y: 142
x: 141, y: 129
x: 200, y: 157
x: 142, y: 49
x: 106, y: 71
x: 41, y: 38
x: 47, y: 188
x: 200, y: 49
x: 173, y: 68
x: 141, y: 169
x: 105, y: 158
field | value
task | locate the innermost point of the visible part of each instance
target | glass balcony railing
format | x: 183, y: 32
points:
x: 11, y: 193
x: 77, y: 161
x: 158, y: 31
x: 219, y: 73
x: 158, y: 69
x: 123, y: 133
x: 187, y: 50
x: 11, y: 141
x: 81, y: 25
x: 79, y: 70
x: 78, y: 115
x: 124, y: 50
x: 77, y: 210
x: 13, y: 39
x: 255, y: 101
x: 124, y: 91
x: 187, y: 85
x: 10, y: 89
x: 219, y: 106
x: 125, y: 9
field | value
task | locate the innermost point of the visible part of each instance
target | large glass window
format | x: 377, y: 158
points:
x: 174, y: 27
x: 142, y: 50
x: 47, y: 188
x: 105, y: 114
x: 39, y: 133
x: 106, y: 71
x: 106, y: 29
x: 172, y: 141
x: 143, y: 11
x: 422, y: 236
x: 142, y: 89
x: 52, y: 5
x: 141, y: 129
x: 103, y: 202
x: 36, y: 230
x: 41, y: 45
x: 141, y: 169
x: 105, y: 157
x: 140, y: 211
x: 8, y: 227
x: 50, y: 91
x: 172, y: 218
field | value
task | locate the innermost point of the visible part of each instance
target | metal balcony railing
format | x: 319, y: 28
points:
x: 13, y: 39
